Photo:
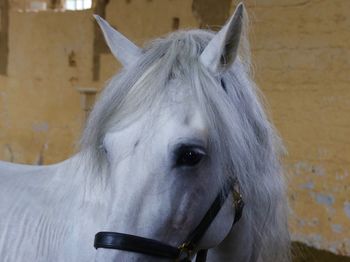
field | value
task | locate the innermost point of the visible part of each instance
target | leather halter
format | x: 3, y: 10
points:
x: 186, y: 251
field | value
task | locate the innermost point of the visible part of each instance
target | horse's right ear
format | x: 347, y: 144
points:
x: 221, y: 51
x: 121, y: 47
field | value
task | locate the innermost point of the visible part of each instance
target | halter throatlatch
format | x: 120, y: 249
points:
x: 186, y: 251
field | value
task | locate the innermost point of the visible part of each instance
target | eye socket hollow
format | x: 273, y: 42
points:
x: 189, y: 156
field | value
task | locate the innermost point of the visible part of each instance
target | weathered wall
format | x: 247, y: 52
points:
x: 301, y: 57
x: 301, y: 52
x: 50, y: 56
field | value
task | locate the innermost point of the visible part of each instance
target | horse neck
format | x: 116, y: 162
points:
x: 79, y: 181
x: 55, y: 202
x: 67, y: 186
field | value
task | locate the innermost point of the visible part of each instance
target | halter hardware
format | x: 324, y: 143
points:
x: 238, y: 202
x: 184, y: 252
x: 187, y: 249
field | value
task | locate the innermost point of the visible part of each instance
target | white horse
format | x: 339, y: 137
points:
x: 180, y: 118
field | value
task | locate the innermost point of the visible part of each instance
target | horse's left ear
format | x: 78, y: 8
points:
x: 221, y: 51
x: 122, y: 48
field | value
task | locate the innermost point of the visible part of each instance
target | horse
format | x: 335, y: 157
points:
x: 182, y: 117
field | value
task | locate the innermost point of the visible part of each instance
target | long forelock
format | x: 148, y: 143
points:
x: 163, y: 59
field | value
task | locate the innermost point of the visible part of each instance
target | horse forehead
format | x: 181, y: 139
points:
x: 184, y: 118
x: 194, y: 118
x: 180, y: 120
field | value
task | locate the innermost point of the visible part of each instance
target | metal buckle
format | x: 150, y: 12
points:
x: 238, y: 202
x: 186, y: 249
x: 237, y: 196
x: 237, y: 199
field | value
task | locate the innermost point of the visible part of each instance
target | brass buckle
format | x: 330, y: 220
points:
x: 187, y: 249
x: 237, y: 196
x: 238, y: 202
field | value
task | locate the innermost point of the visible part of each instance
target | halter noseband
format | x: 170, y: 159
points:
x: 183, y: 253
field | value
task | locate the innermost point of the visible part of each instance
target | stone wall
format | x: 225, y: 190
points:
x: 301, y: 58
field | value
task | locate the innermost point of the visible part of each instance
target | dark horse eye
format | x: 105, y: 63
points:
x: 189, y: 156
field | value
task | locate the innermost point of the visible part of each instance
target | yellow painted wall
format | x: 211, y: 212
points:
x: 301, y: 54
x: 40, y: 116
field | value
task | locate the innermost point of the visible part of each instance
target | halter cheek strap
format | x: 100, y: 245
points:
x: 183, y: 253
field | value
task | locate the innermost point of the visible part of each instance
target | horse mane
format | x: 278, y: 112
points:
x: 241, y: 133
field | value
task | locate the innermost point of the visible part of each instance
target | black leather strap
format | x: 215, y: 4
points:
x: 196, y: 235
x: 113, y: 240
x: 202, y: 255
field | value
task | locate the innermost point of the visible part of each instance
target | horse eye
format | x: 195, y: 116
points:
x: 189, y: 156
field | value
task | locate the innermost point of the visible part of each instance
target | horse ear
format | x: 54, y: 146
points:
x: 221, y: 51
x: 122, y: 48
